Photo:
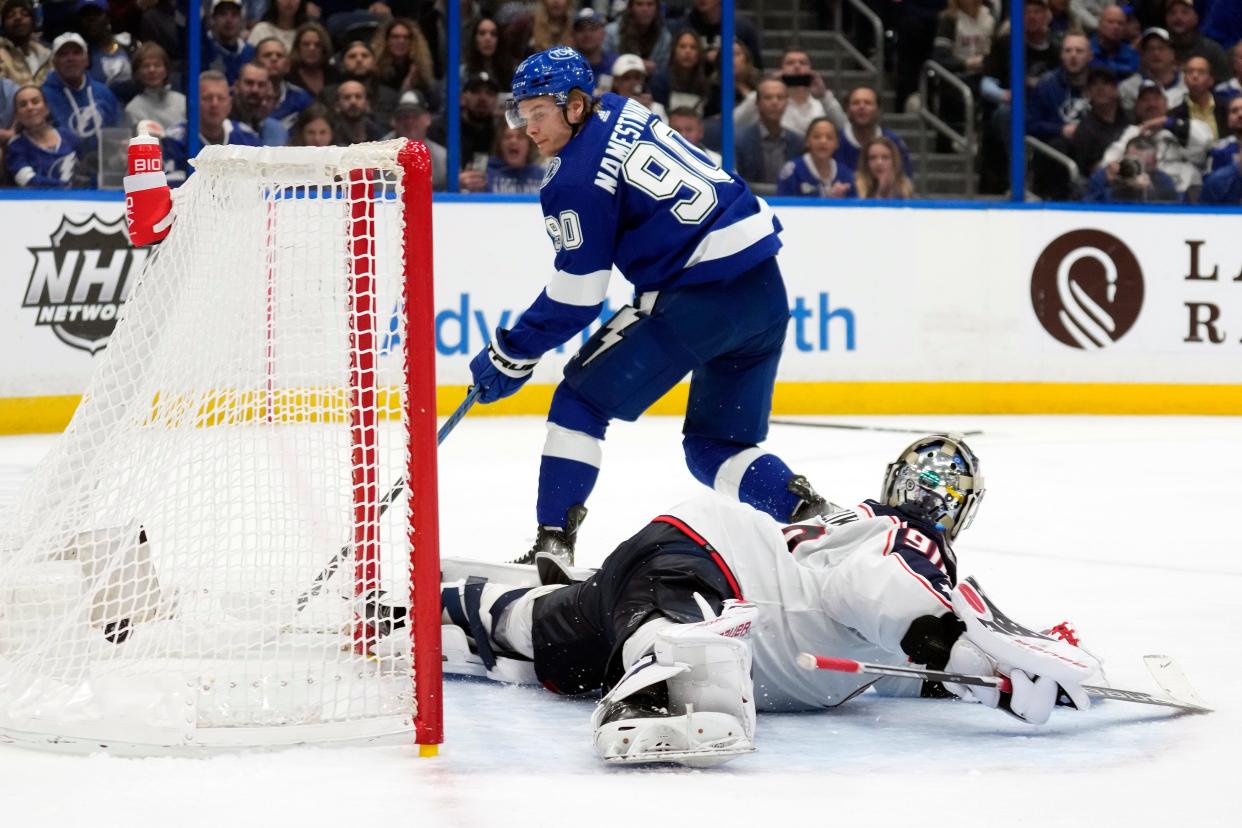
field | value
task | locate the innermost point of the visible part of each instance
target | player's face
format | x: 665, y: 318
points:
x: 31, y: 109
x: 214, y: 102
x: 317, y: 133
x: 545, y: 124
x: 1198, y: 76
x: 152, y: 73
x: 821, y: 141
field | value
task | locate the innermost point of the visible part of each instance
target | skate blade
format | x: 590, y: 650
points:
x: 702, y: 758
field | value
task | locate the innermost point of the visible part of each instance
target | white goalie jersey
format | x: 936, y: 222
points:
x: 848, y: 585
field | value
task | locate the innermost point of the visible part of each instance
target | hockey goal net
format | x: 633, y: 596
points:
x: 251, y: 468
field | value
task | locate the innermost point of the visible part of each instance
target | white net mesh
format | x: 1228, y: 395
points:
x: 156, y: 574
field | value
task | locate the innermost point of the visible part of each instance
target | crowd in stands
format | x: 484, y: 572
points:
x: 1143, y: 101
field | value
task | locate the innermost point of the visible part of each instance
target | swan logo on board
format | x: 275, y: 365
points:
x: 1087, y: 289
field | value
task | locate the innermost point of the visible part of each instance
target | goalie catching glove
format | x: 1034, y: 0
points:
x: 497, y: 372
x: 1040, y: 669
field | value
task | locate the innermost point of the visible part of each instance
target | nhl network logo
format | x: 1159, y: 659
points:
x: 1087, y: 289
x: 79, y: 282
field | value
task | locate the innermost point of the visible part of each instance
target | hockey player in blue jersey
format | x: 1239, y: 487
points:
x: 623, y: 189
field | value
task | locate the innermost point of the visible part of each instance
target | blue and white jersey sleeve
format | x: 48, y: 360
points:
x: 580, y: 222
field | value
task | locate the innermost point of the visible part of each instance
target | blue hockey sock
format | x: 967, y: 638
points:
x: 743, y: 471
x: 765, y: 486
x: 563, y: 484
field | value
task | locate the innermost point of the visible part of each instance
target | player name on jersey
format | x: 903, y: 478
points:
x: 625, y: 134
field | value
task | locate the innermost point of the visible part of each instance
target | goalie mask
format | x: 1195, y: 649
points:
x: 936, y: 479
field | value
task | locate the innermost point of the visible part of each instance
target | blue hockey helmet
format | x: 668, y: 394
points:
x: 552, y: 72
x: 937, y: 479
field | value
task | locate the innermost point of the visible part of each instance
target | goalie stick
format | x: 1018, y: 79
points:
x: 853, y: 427
x: 345, y: 551
x: 1190, y: 704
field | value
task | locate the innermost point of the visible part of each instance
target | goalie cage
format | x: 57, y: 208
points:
x: 270, y: 378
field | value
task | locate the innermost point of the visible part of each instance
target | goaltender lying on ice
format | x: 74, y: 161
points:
x: 697, y: 621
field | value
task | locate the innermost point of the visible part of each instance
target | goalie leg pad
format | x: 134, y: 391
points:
x: 690, y: 702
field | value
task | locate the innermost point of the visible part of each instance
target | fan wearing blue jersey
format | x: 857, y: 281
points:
x: 622, y: 189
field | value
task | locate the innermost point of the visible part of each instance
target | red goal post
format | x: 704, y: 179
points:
x: 252, y: 465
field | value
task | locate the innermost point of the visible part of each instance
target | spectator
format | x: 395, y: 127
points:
x: 1102, y: 124
x: 1181, y: 145
x: 8, y: 112
x: 479, y: 96
x: 1132, y: 177
x: 552, y: 25
x: 629, y: 80
x: 964, y: 38
x: 110, y: 63
x: 687, y: 123
x: 1042, y: 53
x: 214, y: 127
x: 588, y: 39
x: 862, y: 110
x: 308, y: 60
x: 411, y: 121
x: 916, y: 32
x: 1201, y: 103
x: 764, y: 148
x: 23, y: 58
x: 281, y: 21
x: 1182, y: 21
x: 1226, y: 151
x: 1089, y: 13
x: 78, y: 103
x: 881, y: 176
x: 253, y: 101
x: 354, y: 123
x: 157, y: 23
x: 289, y: 99
x: 225, y: 51
x: 483, y: 53
x: 512, y: 167
x: 1134, y: 27
x: 1223, y: 23
x: 704, y: 19
x: 1057, y: 104
x: 745, y: 80
x: 641, y: 30
x: 809, y: 98
x: 683, y: 82
x: 40, y: 155
x: 815, y: 173
x: 1157, y: 64
x: 358, y: 63
x: 1233, y: 87
x: 157, y: 101
x: 403, y: 59
x: 1224, y: 186
x: 1109, y: 47
x: 1062, y: 20
x: 313, y: 128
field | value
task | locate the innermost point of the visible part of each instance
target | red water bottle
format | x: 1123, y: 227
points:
x: 148, y: 201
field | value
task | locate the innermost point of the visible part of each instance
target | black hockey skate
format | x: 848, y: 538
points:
x: 810, y: 502
x: 554, y: 548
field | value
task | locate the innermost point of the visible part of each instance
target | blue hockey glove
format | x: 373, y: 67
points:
x: 496, y: 373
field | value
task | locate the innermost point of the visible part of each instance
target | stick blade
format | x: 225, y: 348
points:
x: 1169, y: 676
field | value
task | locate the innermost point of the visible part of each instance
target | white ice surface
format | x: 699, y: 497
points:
x: 1125, y: 526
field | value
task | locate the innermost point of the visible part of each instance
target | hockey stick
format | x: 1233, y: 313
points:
x: 850, y: 427
x: 344, y: 552
x: 808, y: 661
